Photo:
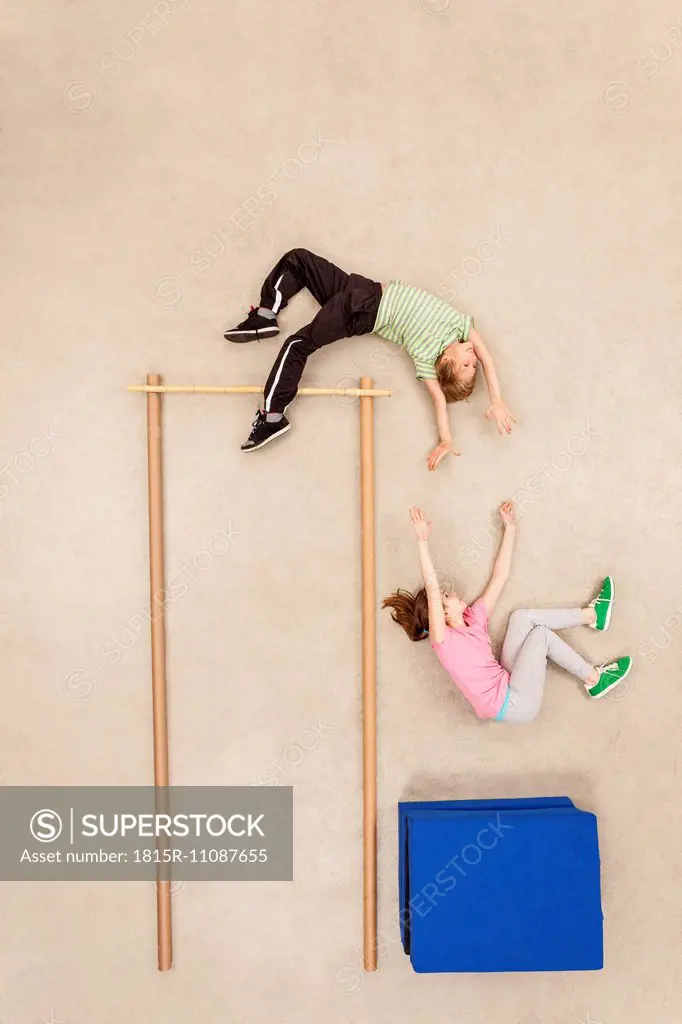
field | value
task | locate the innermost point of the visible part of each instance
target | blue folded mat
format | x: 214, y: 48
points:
x: 500, y: 885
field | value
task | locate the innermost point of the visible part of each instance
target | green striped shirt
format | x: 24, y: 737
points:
x: 420, y: 323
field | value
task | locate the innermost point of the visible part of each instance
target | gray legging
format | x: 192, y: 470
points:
x: 527, y: 646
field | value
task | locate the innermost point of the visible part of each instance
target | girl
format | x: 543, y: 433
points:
x: 510, y: 689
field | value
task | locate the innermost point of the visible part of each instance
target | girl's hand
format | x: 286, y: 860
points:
x: 439, y: 453
x: 508, y: 513
x: 499, y: 412
x: 420, y: 525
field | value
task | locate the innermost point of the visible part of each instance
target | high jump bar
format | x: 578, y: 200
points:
x: 254, y: 389
x: 366, y: 392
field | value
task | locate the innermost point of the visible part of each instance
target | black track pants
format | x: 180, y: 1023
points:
x: 349, y: 304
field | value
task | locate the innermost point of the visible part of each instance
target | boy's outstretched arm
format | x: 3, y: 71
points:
x: 443, y: 423
x: 502, y: 566
x: 497, y: 410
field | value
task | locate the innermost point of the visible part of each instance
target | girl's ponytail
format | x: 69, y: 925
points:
x: 411, y: 611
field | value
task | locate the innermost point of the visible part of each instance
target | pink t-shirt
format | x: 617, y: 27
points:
x: 467, y: 656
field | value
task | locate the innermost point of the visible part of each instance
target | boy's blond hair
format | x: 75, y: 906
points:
x: 455, y: 390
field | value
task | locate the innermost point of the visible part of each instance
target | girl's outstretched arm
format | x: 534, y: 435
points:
x: 422, y: 529
x: 502, y: 567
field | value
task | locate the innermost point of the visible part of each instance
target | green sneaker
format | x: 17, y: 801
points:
x: 609, y: 676
x: 603, y: 605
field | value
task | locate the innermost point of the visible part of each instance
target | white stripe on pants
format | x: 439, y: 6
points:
x: 273, y: 388
x: 529, y: 642
x: 278, y: 295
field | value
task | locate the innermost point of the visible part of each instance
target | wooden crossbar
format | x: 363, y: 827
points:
x: 253, y: 389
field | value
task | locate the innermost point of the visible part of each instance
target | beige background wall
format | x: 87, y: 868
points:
x: 129, y: 136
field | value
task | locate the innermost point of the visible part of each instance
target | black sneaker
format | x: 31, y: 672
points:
x: 262, y: 432
x: 253, y: 328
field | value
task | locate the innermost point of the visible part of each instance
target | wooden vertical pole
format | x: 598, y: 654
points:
x: 158, y: 625
x: 369, y: 697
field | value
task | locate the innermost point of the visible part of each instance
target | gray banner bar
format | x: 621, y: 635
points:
x: 131, y: 833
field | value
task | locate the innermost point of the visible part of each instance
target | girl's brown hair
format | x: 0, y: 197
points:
x: 411, y: 611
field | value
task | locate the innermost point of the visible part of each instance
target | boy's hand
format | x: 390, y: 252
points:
x: 508, y: 513
x: 499, y: 412
x: 438, y: 453
x: 420, y: 525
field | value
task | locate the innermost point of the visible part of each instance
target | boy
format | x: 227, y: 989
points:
x: 443, y: 343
